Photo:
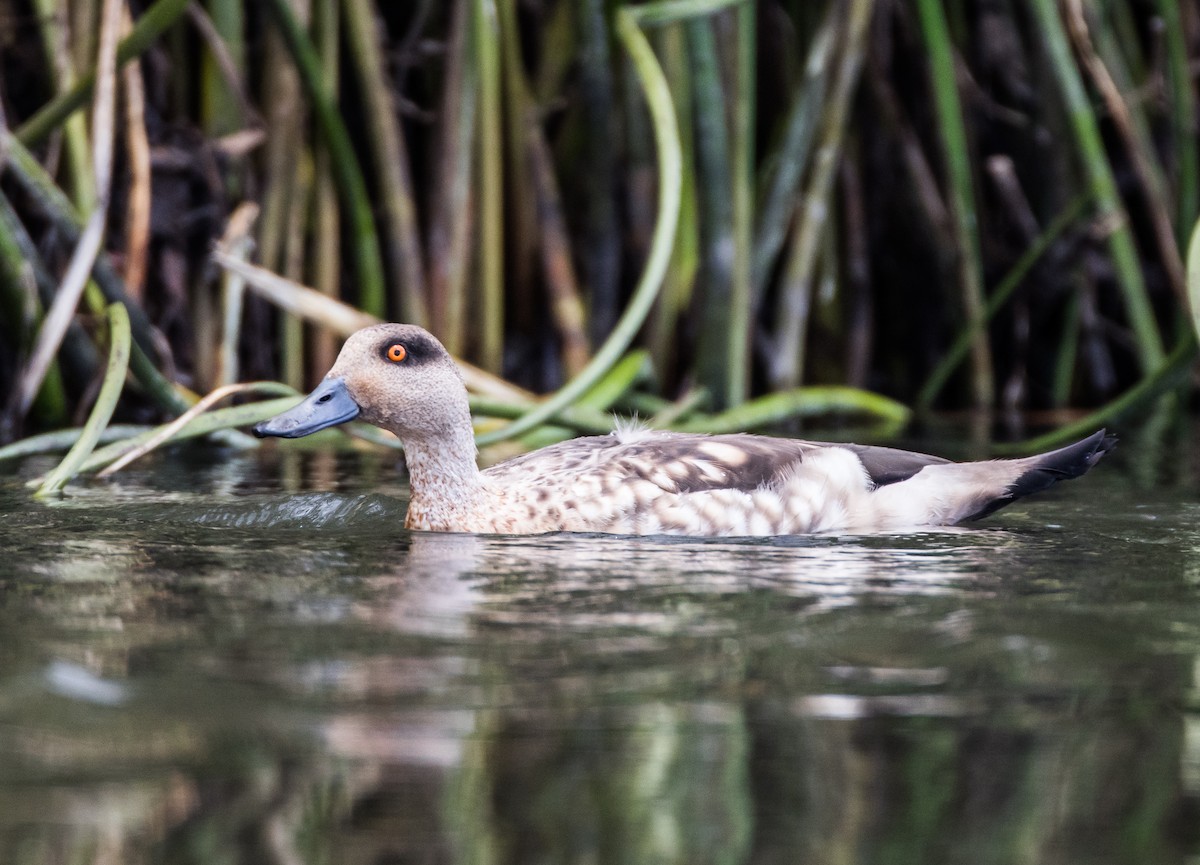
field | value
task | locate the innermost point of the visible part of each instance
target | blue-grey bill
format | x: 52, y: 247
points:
x: 328, y: 405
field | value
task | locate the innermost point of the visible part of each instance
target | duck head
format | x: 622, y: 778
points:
x: 395, y: 376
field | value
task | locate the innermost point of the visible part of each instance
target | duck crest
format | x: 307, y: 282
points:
x: 642, y: 481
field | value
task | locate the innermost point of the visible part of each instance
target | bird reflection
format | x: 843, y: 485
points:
x: 365, y: 698
x: 456, y: 581
x: 703, y: 701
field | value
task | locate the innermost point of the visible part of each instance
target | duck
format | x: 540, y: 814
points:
x: 638, y: 481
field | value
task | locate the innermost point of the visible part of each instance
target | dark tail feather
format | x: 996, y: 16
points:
x: 1050, y: 468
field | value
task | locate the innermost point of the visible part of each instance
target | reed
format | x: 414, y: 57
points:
x: 490, y: 143
x: 21, y: 310
x: 730, y: 197
x: 120, y: 342
x: 666, y: 135
x: 452, y: 208
x: 1193, y: 276
x: 220, y: 109
x: 713, y: 178
x: 149, y: 27
x: 1103, y: 186
x: 1184, y: 169
x: 388, y: 148
x: 220, y: 420
x: 782, y: 406
x: 325, y: 249
x: 737, y: 382
x: 812, y: 217
x: 681, y: 277
x: 600, y: 230
x: 371, y: 296
x: 52, y: 24
x: 999, y: 296
x: 961, y: 193
x: 62, y: 310
x: 783, y: 170
x: 169, y: 431
x: 23, y: 263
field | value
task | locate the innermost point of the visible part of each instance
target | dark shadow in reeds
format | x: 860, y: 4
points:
x: 765, y: 199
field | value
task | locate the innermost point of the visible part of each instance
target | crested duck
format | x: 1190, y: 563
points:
x: 400, y: 378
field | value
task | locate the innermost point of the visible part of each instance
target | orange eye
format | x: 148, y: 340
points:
x: 396, y: 352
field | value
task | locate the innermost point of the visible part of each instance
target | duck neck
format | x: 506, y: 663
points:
x: 445, y: 481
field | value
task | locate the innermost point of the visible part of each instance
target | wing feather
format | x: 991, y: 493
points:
x: 688, y: 462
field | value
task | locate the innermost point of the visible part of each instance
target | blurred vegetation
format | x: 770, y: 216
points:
x: 712, y: 213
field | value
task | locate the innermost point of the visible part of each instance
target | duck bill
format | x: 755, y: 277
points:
x: 330, y: 404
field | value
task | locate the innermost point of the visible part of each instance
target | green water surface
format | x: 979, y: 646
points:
x: 221, y: 659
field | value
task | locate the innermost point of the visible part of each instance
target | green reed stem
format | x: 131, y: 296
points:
x: 14, y: 300
x: 562, y: 285
x: 167, y: 432
x: 713, y: 173
x: 18, y: 298
x: 78, y: 352
x: 996, y: 300
x: 402, y: 242
x: 671, y: 11
x: 1066, y: 351
x: 1107, y: 65
x: 221, y: 109
x: 76, y: 278
x: 624, y: 374
x: 233, y: 292
x: 812, y: 218
x: 743, y: 151
x: 64, y: 439
x: 369, y: 265
x: 1103, y: 186
x: 41, y: 187
x: 1193, y: 276
x: 205, y: 424
x: 57, y: 207
x: 961, y: 190
x: 786, y: 166
x: 296, y: 230
x: 489, y: 143
x: 574, y: 417
x: 661, y: 335
x: 666, y: 136
x: 526, y: 187
x: 590, y: 413
x: 287, y: 119
x: 50, y: 15
x: 678, y: 411
x: 1185, y: 124
x: 796, y: 403
x: 149, y: 26
x: 326, y: 257
x: 1172, y: 371
x: 600, y: 236
x: 450, y: 222
x: 120, y: 341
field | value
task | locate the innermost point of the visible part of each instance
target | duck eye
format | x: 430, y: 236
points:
x: 396, y: 352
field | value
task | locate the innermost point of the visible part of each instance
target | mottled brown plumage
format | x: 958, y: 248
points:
x: 642, y: 481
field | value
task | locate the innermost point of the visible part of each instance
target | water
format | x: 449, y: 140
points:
x: 221, y: 659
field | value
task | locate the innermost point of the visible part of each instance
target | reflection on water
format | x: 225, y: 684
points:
x: 196, y: 667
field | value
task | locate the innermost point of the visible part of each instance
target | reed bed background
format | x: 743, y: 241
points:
x: 714, y: 214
